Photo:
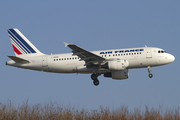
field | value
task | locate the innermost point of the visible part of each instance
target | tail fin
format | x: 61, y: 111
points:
x: 21, y: 45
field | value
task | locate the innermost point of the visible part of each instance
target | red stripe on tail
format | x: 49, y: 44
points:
x: 16, y: 50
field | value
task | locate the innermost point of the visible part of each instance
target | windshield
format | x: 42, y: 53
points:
x: 161, y: 51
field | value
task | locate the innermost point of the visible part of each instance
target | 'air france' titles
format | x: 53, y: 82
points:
x: 122, y: 51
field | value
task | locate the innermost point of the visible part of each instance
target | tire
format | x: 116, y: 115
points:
x: 93, y: 76
x: 150, y: 75
x: 96, y: 82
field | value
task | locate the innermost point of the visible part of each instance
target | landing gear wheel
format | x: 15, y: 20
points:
x: 149, y: 70
x: 150, y: 75
x: 94, y: 76
x: 96, y: 82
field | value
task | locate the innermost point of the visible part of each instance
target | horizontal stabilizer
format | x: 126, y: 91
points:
x: 18, y: 60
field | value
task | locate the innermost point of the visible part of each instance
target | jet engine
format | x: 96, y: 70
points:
x: 119, y: 75
x: 116, y: 65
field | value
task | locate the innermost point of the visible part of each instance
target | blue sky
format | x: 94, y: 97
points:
x: 92, y: 25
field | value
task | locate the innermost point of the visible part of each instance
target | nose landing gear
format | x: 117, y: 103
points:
x: 94, y: 77
x: 149, y: 70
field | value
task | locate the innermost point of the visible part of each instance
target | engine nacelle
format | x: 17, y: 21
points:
x: 119, y: 75
x: 116, y: 65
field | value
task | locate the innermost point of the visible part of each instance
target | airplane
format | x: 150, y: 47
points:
x: 114, y: 63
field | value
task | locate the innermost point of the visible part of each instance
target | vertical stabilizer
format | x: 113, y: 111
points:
x: 21, y: 45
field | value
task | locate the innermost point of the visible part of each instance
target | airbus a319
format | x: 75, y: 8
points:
x: 111, y: 63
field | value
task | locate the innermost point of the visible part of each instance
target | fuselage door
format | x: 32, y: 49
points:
x: 148, y: 53
x: 44, y: 62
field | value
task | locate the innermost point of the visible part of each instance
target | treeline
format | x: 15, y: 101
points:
x: 54, y: 111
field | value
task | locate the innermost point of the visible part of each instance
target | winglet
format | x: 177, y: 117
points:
x: 66, y: 44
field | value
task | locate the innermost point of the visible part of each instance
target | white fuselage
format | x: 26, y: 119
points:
x: 112, y: 63
x: 69, y: 63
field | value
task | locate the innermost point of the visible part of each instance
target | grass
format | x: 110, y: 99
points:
x: 54, y: 111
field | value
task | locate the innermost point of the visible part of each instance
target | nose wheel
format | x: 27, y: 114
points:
x: 94, y: 77
x: 149, y: 70
x: 150, y: 75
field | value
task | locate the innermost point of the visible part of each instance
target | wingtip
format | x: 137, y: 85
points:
x: 66, y: 44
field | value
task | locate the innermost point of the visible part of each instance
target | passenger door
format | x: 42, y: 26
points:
x: 148, y: 53
x: 44, y: 61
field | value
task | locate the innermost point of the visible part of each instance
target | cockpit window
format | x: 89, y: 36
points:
x: 161, y: 51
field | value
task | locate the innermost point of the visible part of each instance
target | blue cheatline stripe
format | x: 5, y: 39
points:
x: 17, y: 44
x: 22, y: 41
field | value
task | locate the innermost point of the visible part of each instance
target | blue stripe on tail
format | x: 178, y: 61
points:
x: 15, y: 41
x: 21, y: 41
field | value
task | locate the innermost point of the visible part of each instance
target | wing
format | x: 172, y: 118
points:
x: 88, y: 57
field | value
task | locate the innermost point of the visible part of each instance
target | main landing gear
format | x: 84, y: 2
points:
x: 94, y: 77
x: 149, y: 70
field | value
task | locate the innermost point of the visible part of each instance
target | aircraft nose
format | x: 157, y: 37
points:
x: 172, y: 58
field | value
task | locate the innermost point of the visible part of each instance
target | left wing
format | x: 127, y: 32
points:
x: 88, y: 57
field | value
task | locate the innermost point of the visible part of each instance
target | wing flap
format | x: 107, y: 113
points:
x: 18, y: 60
